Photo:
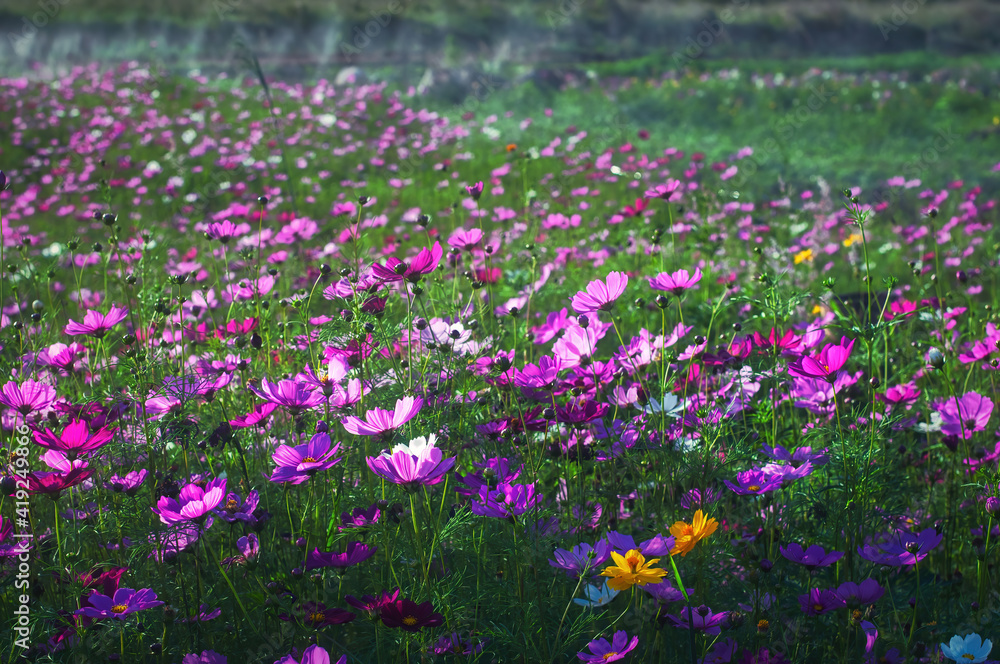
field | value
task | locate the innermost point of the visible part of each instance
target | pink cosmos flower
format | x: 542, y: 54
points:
x: 291, y: 394
x: 419, y: 463
x: 675, y: 282
x: 27, y: 397
x: 826, y: 365
x: 966, y: 415
x: 95, y: 323
x: 600, y: 295
x: 297, y: 464
x: 422, y: 264
x: 192, y: 504
x: 379, y: 421
x: 75, y: 440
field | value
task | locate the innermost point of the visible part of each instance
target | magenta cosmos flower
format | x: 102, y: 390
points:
x: 312, y: 655
x: 124, y: 602
x: 27, y: 397
x: 600, y: 295
x: 601, y: 651
x: 966, y: 415
x: 355, y: 553
x: 422, y: 264
x: 419, y: 463
x: 826, y: 365
x: 76, y: 439
x: 297, y: 464
x: 293, y: 395
x: 379, y: 421
x: 675, y: 282
x: 812, y: 557
x: 96, y: 324
x: 753, y: 483
x: 194, y: 503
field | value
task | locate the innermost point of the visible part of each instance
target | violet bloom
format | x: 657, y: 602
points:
x: 753, y: 483
x: 96, y: 324
x: 249, y: 546
x: 455, y: 644
x: 27, y: 397
x: 675, y: 282
x: 698, y: 499
x: 425, y: 262
x: 798, y: 457
x: 475, y: 190
x: 971, y: 413
x: 225, y: 230
x: 860, y: 594
x: 581, y: 558
x: 76, y: 439
x: 825, y: 365
x: 297, y: 464
x: 360, y: 517
x: 124, y: 602
x: 812, y: 557
x: 465, y: 239
x: 410, y: 616
x: 234, y: 509
x: 356, y: 553
x: 194, y: 503
x: 817, y: 602
x: 312, y: 655
x: 291, y: 394
x: 651, y: 548
x: 206, y: 657
x: 507, y: 500
x: 130, y: 484
x: 600, y: 295
x: 379, y: 421
x: 601, y: 651
x: 664, y: 592
x: 701, y: 618
x: 419, y: 463
x: 903, y: 548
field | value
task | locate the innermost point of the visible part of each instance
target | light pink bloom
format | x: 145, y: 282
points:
x: 378, y: 421
x: 600, y: 295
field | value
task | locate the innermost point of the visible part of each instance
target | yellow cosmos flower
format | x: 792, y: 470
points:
x: 804, y: 255
x: 632, y: 569
x: 686, y: 535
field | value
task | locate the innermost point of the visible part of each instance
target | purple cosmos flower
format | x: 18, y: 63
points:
x: 601, y: 651
x: 130, y: 484
x: 291, y: 394
x: 124, y: 602
x: 317, y: 615
x: 971, y: 413
x: 860, y: 594
x: 378, y: 421
x: 372, y: 604
x: 817, y: 602
x: 657, y: 546
x: 95, y: 323
x: 356, y: 552
x: 312, y: 655
x: 422, y: 264
x: 409, y: 616
x: 418, y: 463
x: 903, y: 548
x: 664, y: 592
x: 53, y: 484
x: 194, y: 503
x: 475, y: 190
x: 582, y: 557
x: 249, y: 547
x: 753, y: 483
x: 813, y: 557
x: 507, y: 500
x: 27, y: 397
x: 465, y: 239
x: 233, y: 509
x: 698, y: 499
x: 225, y: 230
x: 75, y: 440
x: 360, y: 517
x: 824, y: 366
x: 600, y: 295
x: 703, y: 619
x: 204, y: 615
x: 455, y: 644
x: 676, y: 282
x: 496, y: 470
x: 801, y: 455
x: 206, y: 657
x: 297, y: 464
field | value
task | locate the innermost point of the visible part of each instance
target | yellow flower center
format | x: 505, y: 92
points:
x: 119, y: 608
x: 409, y: 621
x: 317, y: 617
x: 753, y: 487
x: 231, y: 504
x: 633, y: 563
x: 609, y: 655
x: 817, y: 607
x: 308, y: 460
x: 968, y: 656
x: 762, y: 625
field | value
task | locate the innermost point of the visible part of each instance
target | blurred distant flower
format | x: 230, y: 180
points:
x: 475, y: 190
x: 206, y: 657
x: 312, y: 655
x: 355, y: 553
x: 701, y: 619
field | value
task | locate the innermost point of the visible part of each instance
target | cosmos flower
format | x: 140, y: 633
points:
x: 632, y: 569
x: 312, y: 655
x: 701, y: 619
x: 903, y: 548
x: 27, y: 397
x: 825, y: 365
x: 753, y: 483
x: 812, y: 557
x: 76, y: 439
x: 194, y: 503
x: 597, y: 596
x: 410, y: 616
x: 124, y: 602
x: 420, y: 463
x: 600, y: 295
x: 297, y: 464
x: 291, y: 394
x: 582, y: 557
x: 687, y: 535
x: 130, y: 484
x: 970, y: 649
x: 379, y: 421
x: 963, y: 416
x: 206, y: 657
x: 356, y: 552
x: 860, y: 594
x: 505, y: 501
x: 96, y: 324
x: 425, y: 262
x: 817, y: 602
x: 601, y: 651
x: 675, y: 283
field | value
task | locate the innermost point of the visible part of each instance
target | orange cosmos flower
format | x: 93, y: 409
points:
x: 687, y: 535
x: 632, y: 569
x: 511, y: 147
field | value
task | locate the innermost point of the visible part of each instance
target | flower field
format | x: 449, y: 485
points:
x: 310, y: 373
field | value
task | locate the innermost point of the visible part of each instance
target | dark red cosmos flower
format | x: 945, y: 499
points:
x: 316, y: 615
x: 53, y: 484
x: 410, y: 616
